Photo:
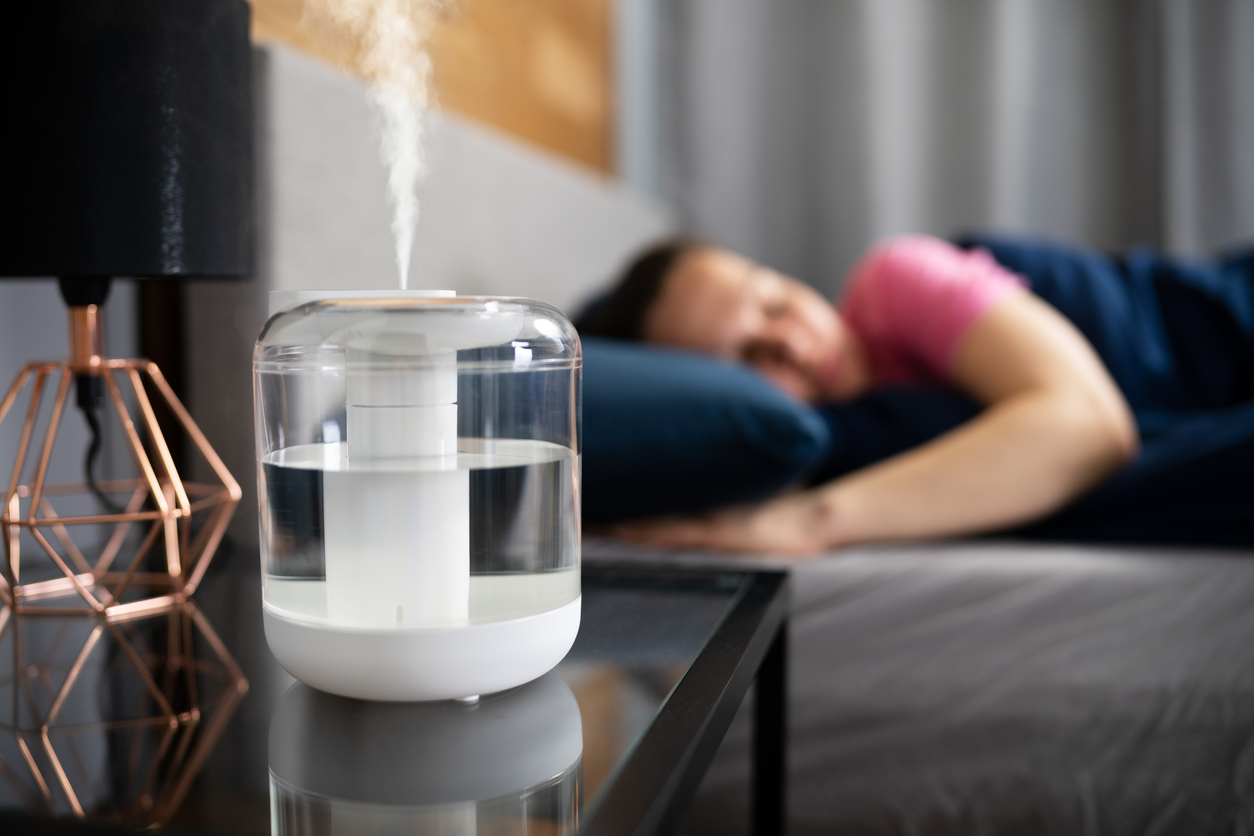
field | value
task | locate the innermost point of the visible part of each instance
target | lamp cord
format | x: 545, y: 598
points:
x: 90, y: 397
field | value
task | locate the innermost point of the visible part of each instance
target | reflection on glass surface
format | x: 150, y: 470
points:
x: 512, y: 763
x: 111, y: 717
x: 639, y: 636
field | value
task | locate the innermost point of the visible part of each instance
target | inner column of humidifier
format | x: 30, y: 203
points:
x: 397, y: 512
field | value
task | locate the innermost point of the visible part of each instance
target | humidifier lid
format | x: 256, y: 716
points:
x: 394, y: 330
x: 285, y: 300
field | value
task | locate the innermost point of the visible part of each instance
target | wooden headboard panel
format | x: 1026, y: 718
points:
x: 540, y: 70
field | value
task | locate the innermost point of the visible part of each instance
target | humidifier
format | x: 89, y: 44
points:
x: 418, y: 480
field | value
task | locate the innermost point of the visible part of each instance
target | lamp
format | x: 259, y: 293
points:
x: 127, y: 152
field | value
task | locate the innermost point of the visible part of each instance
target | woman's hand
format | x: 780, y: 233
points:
x: 802, y: 523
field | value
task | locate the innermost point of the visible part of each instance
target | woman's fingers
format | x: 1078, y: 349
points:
x: 781, y: 526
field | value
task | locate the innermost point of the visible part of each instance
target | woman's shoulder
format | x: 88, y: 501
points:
x: 897, y: 266
x: 916, y: 295
x: 915, y: 263
x: 901, y: 255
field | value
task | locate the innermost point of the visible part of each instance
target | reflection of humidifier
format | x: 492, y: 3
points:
x: 511, y: 764
x: 419, y: 488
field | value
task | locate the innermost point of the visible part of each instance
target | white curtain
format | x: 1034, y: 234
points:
x: 799, y: 131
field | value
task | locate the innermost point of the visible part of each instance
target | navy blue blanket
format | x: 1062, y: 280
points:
x: 1178, y: 338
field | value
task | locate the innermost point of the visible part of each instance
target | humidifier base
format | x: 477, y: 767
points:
x: 422, y: 664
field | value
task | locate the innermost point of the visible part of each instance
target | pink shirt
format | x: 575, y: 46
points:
x: 911, y: 300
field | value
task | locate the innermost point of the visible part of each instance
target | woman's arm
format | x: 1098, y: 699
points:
x: 1054, y: 426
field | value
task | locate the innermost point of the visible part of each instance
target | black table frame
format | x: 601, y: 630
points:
x: 656, y: 783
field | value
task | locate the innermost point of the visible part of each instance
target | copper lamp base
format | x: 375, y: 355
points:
x: 160, y: 502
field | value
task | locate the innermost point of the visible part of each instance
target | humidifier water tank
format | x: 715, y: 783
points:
x: 418, y: 478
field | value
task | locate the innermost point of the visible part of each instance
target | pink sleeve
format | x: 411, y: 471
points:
x: 912, y: 299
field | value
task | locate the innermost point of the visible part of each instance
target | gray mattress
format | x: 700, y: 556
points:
x: 995, y: 687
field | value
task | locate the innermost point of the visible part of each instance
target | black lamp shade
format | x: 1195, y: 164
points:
x: 126, y: 145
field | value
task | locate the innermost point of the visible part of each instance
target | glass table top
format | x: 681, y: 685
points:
x: 184, y: 717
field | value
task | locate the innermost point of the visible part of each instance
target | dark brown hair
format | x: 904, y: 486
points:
x: 621, y: 313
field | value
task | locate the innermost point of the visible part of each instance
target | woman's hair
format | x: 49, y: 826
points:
x: 622, y: 312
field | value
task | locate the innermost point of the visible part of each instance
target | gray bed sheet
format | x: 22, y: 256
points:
x: 999, y: 687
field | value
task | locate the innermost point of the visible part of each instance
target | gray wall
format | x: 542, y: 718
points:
x: 497, y: 217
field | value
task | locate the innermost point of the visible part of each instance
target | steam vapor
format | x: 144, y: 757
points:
x: 392, y: 35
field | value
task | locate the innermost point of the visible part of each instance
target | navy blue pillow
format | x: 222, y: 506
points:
x: 886, y: 422
x: 669, y: 432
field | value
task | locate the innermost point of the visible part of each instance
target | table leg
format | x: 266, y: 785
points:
x: 770, y: 739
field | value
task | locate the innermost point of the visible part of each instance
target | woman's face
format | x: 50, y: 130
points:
x: 720, y: 303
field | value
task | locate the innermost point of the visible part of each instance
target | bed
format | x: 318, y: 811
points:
x: 1007, y: 687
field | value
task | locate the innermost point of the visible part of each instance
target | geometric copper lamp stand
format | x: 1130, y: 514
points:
x: 109, y: 583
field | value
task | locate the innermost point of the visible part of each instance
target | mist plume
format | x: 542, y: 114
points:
x: 391, y: 36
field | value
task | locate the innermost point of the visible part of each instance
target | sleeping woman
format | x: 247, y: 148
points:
x: 914, y: 309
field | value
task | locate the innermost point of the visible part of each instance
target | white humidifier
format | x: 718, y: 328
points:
x: 418, y: 479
